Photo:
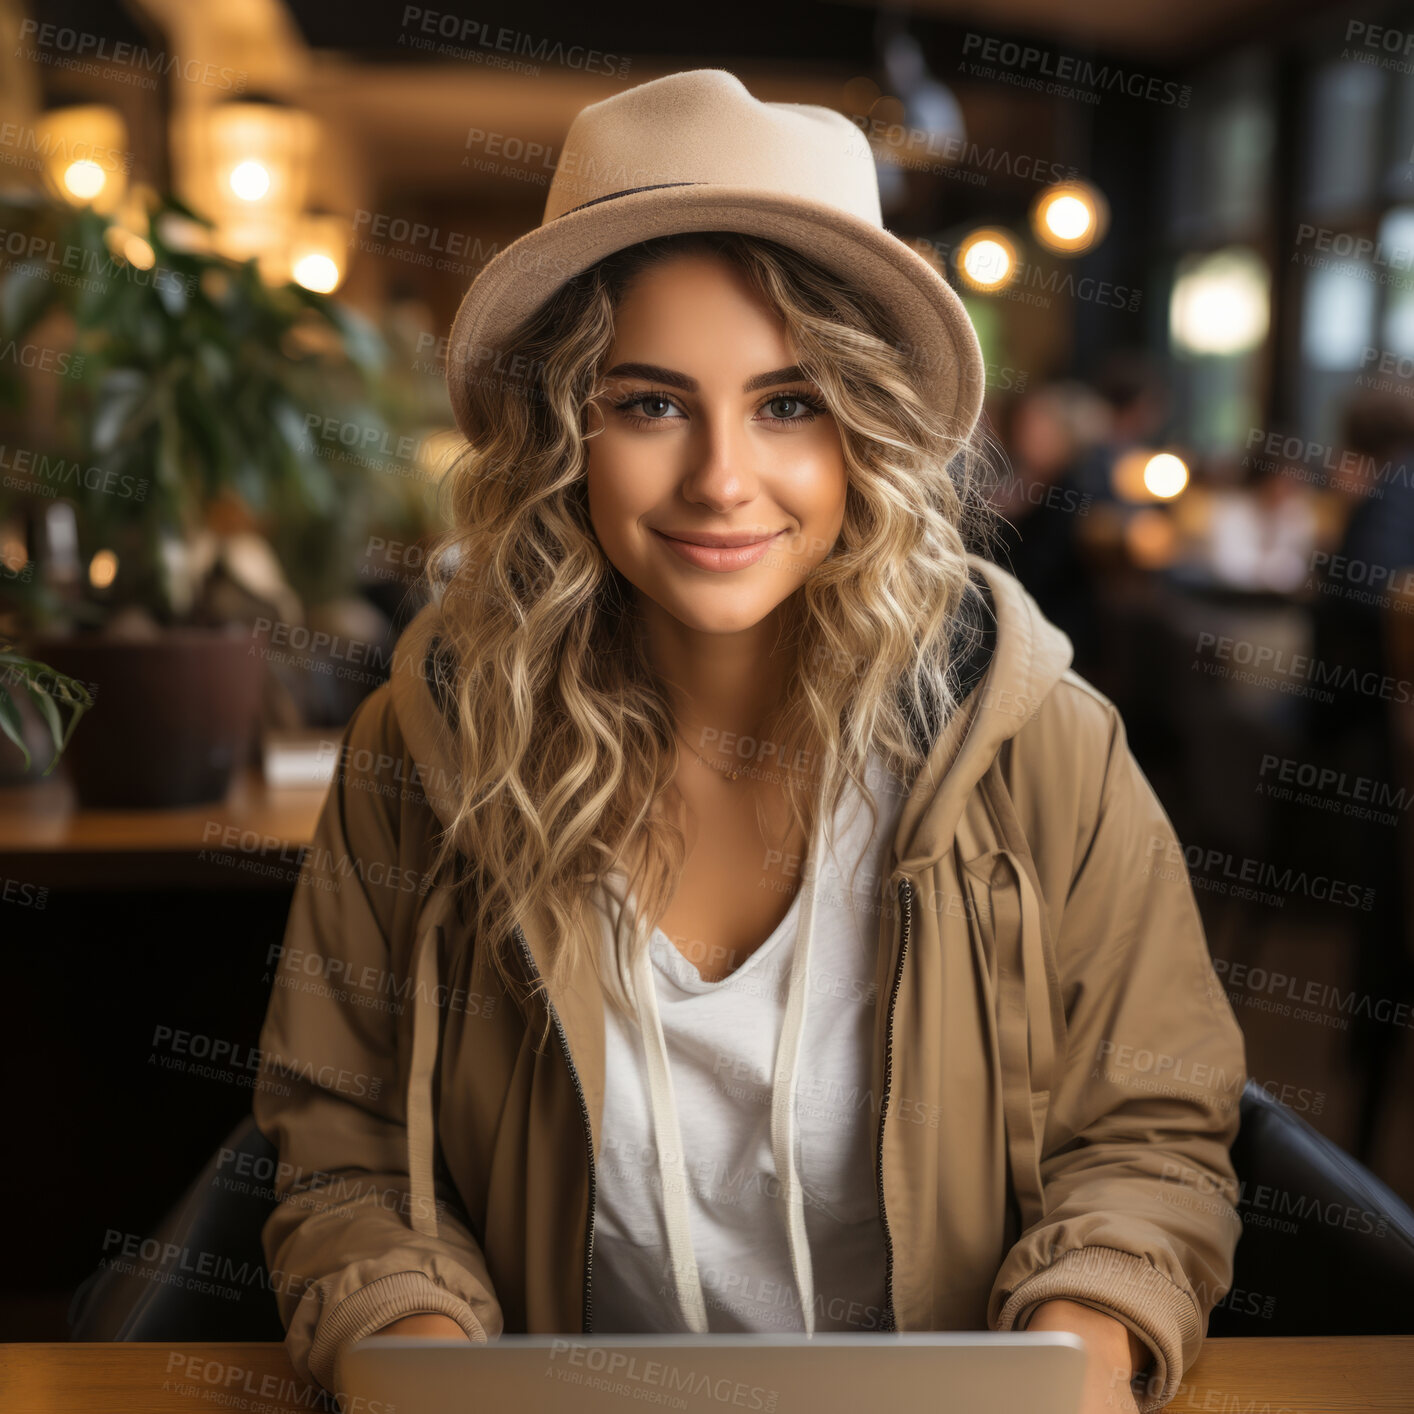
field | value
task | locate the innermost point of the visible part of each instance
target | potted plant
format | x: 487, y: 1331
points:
x: 177, y: 454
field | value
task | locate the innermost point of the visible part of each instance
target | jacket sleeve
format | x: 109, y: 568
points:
x: 331, y: 1094
x: 1139, y: 1185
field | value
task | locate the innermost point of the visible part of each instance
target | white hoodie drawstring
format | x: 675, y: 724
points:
x: 672, y: 1170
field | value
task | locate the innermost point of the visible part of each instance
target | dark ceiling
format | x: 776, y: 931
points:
x: 816, y: 32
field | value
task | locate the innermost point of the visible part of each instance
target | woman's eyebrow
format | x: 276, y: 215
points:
x: 655, y: 374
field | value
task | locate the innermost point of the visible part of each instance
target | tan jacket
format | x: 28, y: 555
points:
x: 1055, y: 1077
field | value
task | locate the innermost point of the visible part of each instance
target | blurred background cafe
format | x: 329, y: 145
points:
x: 232, y: 239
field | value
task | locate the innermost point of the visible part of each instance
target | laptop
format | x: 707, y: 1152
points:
x: 909, y: 1372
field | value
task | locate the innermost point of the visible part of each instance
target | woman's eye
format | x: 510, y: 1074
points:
x: 655, y: 407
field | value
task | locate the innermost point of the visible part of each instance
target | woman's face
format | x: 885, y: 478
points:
x: 708, y: 434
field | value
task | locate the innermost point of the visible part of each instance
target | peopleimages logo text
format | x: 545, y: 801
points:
x: 1068, y: 68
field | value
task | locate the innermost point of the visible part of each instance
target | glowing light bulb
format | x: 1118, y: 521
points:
x: 84, y: 179
x: 13, y: 554
x: 138, y: 253
x: 317, y: 272
x: 103, y: 569
x: 986, y: 260
x: 1165, y: 475
x: 1221, y: 302
x: 318, y: 251
x: 1070, y: 217
x: 84, y: 157
x: 250, y: 181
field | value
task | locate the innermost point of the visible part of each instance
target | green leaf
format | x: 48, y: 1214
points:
x: 120, y: 393
x: 25, y: 295
x: 172, y: 291
x: 10, y: 725
x: 49, y: 712
x: 44, y: 685
x: 175, y: 203
x: 362, y: 341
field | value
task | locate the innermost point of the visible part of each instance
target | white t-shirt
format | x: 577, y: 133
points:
x: 720, y: 1040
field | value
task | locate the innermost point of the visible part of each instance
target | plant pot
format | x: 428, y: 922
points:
x: 172, y: 716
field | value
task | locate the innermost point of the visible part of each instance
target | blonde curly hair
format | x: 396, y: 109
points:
x: 565, y: 743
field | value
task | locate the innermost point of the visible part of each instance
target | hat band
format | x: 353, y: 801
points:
x: 627, y: 191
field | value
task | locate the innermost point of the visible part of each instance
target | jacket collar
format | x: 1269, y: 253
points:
x: 1030, y: 656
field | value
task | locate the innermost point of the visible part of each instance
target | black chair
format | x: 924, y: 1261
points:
x: 1347, y: 1268
x: 210, y: 1239
x: 1326, y: 1247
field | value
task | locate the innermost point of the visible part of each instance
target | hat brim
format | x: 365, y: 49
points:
x: 936, y: 334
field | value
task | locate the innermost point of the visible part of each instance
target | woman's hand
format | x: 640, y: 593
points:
x: 427, y: 1324
x: 1116, y: 1353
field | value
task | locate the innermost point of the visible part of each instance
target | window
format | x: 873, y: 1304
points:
x: 1352, y: 250
x: 1217, y: 264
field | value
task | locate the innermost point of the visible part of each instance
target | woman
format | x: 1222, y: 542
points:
x: 697, y: 1042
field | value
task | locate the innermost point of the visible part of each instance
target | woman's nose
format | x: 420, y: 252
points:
x: 722, y: 467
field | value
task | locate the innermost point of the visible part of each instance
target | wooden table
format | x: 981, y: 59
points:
x: 252, y: 839
x: 1330, y: 1375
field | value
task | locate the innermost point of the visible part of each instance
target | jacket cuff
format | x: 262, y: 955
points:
x: 376, y: 1305
x: 1130, y: 1289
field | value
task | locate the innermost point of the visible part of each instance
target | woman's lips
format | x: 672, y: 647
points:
x: 715, y: 557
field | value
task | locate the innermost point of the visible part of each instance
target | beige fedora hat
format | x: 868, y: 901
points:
x: 694, y: 151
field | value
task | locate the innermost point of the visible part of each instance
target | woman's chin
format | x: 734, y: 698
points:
x: 721, y: 619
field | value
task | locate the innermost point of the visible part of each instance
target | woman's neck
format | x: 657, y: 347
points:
x: 724, y: 686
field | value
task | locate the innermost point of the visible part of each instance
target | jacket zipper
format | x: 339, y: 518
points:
x: 906, y: 900
x: 587, y: 1293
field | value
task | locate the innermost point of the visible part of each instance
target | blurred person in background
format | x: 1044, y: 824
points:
x: 1261, y: 529
x: 1046, y: 433
x: 1352, y: 733
x: 1131, y: 386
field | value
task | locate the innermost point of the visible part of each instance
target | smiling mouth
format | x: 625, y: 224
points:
x: 735, y: 541
x: 725, y: 552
